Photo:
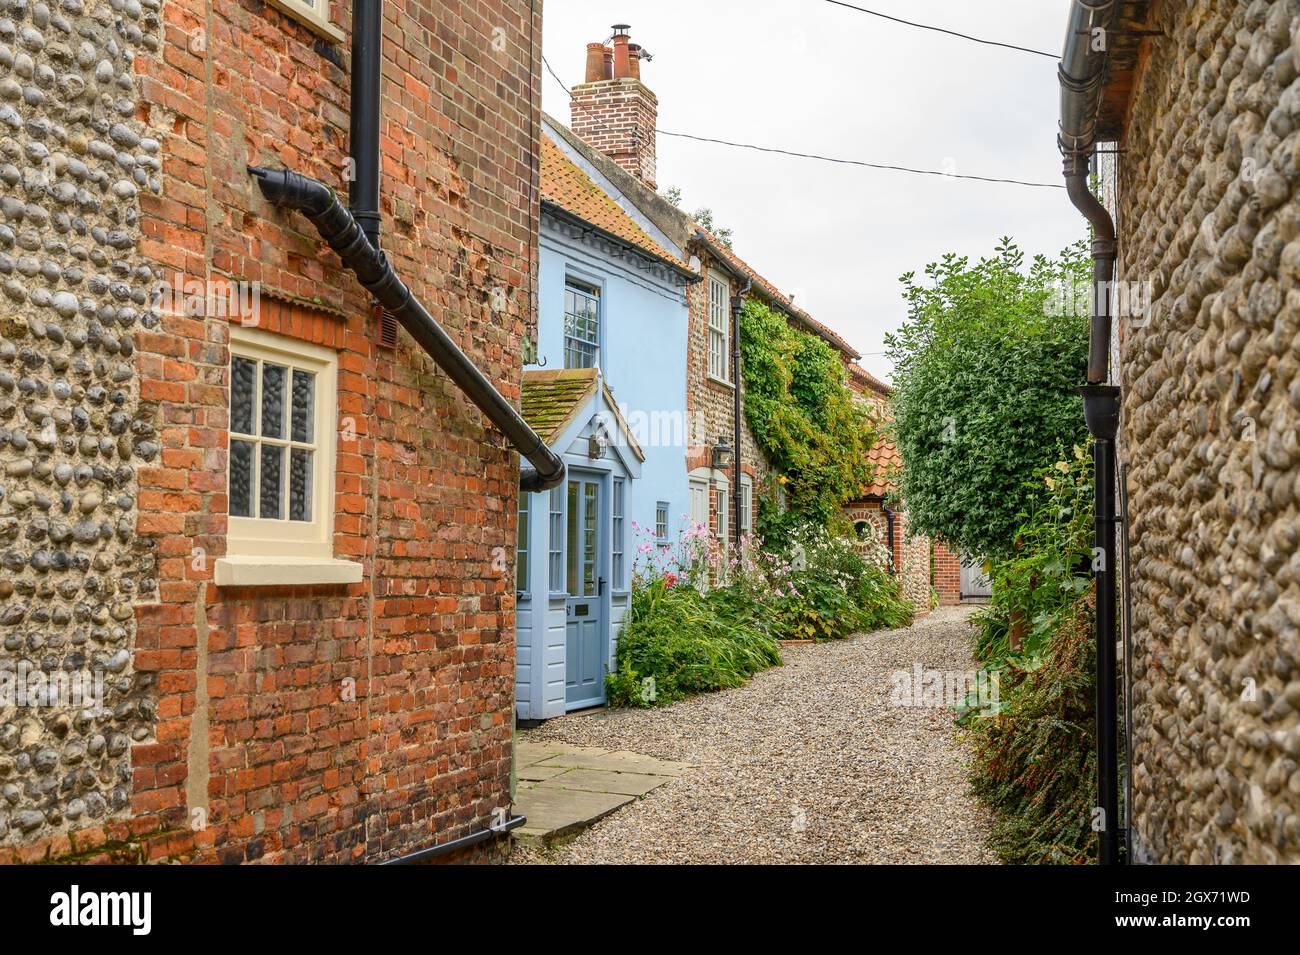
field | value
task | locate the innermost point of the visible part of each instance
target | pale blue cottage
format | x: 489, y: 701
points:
x: 608, y: 393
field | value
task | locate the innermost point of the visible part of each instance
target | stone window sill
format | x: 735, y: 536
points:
x: 251, y: 571
x: 311, y: 19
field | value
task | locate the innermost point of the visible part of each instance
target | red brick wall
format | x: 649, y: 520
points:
x: 260, y: 751
x: 618, y: 117
x: 946, y: 572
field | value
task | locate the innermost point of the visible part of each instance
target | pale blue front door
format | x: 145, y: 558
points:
x: 585, y: 578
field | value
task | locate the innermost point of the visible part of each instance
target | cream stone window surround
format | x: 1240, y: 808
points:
x: 279, y: 551
x: 313, y: 14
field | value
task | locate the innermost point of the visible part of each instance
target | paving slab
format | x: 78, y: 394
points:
x: 536, y: 773
x: 618, y: 762
x: 526, y: 754
x: 554, y: 813
x: 601, y: 781
x: 563, y: 789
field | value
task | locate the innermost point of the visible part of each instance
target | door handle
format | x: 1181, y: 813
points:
x: 601, y: 587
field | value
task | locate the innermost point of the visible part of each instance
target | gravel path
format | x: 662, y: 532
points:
x: 811, y: 762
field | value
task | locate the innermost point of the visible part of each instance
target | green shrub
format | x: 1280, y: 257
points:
x: 1036, y: 760
x: 1037, y: 587
x: 679, y: 641
x: 985, y: 369
x: 837, y: 591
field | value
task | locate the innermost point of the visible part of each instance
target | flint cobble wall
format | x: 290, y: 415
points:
x: 75, y: 158
x: 1209, y: 215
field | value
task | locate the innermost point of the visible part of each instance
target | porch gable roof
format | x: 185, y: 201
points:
x: 552, y: 399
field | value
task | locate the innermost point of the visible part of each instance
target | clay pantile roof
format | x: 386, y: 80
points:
x: 778, y: 298
x: 885, y: 462
x: 567, y: 187
x: 866, y: 378
x: 552, y: 398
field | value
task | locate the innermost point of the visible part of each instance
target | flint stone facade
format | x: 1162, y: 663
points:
x: 74, y: 161
x: 1208, y: 212
x: 326, y: 723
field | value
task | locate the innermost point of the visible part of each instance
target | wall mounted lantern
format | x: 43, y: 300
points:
x: 722, y: 452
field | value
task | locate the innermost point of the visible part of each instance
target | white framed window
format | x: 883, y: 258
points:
x: 280, y: 464
x: 719, y: 326
x: 581, y: 324
x: 521, y: 546
x: 720, y: 505
x: 746, y: 504
x: 661, y: 521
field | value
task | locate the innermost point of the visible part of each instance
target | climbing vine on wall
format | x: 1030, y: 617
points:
x: 805, y: 420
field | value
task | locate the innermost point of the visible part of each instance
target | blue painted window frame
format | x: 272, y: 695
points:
x: 555, y: 532
x: 521, y: 548
x: 616, y: 554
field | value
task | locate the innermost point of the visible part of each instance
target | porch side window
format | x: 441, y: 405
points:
x: 616, y: 547
x: 719, y: 293
x: 521, y: 548
x: 720, y: 502
x: 556, y: 531
x: 281, y: 458
x: 661, y: 521
x: 746, y: 505
x: 581, y: 324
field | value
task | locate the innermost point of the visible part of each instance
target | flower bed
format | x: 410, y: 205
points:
x: 703, y: 619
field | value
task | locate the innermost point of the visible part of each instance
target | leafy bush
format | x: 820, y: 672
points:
x: 686, y: 641
x: 836, y: 591
x: 806, y: 421
x: 1035, y: 760
x: 1035, y: 589
x: 985, y: 368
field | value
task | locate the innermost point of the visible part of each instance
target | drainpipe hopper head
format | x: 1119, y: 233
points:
x: 1101, y: 410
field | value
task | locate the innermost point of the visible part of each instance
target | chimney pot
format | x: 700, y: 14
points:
x: 622, y: 57
x: 618, y: 119
x: 595, y: 62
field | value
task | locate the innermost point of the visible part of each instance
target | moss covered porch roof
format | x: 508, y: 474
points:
x: 552, y: 398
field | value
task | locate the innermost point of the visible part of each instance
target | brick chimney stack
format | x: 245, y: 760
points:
x: 613, y: 111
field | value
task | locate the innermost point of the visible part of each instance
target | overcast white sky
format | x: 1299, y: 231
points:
x: 810, y: 76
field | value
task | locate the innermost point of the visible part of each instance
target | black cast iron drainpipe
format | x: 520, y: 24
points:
x: 339, y: 228
x: 367, y: 79
x: 1082, y: 74
x: 737, y: 303
x: 889, y: 531
x: 455, y: 845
